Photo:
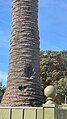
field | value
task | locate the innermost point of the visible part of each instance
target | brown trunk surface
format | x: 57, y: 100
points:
x: 23, y: 84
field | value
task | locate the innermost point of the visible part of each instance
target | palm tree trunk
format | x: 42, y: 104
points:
x: 23, y: 84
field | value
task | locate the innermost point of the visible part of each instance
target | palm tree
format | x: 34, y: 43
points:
x: 23, y: 84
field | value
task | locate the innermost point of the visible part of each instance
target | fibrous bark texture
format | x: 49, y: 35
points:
x: 23, y: 84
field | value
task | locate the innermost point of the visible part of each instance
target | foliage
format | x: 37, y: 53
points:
x: 61, y: 86
x: 2, y: 89
x: 53, y: 67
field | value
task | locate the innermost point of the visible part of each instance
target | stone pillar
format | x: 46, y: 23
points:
x: 50, y: 108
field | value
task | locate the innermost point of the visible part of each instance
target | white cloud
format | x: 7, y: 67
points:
x: 3, y: 76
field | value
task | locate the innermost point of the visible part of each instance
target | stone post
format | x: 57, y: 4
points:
x: 50, y: 108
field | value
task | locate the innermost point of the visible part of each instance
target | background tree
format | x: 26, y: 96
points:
x: 61, y: 87
x: 53, y: 67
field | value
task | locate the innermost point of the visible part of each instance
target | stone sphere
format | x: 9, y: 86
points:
x: 50, y: 91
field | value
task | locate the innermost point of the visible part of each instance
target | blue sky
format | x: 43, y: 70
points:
x: 52, y: 27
